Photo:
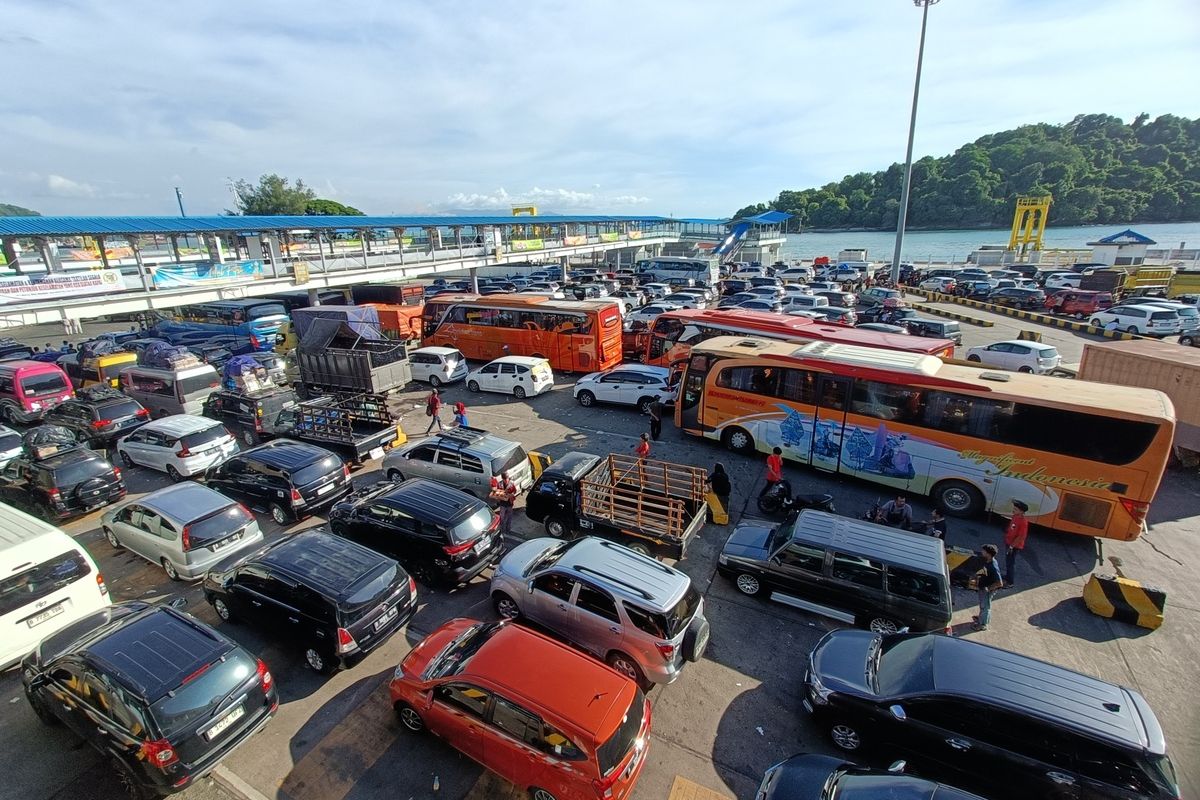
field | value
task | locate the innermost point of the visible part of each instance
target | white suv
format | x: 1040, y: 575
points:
x: 1063, y: 280
x: 1140, y: 318
x: 438, y: 365
x: 1189, y: 317
x: 1016, y: 354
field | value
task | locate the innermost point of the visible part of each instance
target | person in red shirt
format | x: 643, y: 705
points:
x: 643, y: 447
x: 1014, y: 540
x: 774, y: 470
x: 433, y: 410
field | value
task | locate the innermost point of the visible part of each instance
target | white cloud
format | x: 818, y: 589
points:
x: 65, y: 187
x: 555, y: 199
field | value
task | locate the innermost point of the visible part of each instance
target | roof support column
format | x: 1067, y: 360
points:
x: 212, y: 243
x: 143, y: 270
x: 474, y: 280
x: 102, y: 248
x: 49, y: 254
x: 362, y: 242
x: 400, y: 242
x: 458, y: 240
x: 175, y: 249
x: 11, y: 256
x: 321, y: 250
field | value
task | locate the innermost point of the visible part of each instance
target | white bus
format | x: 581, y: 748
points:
x: 679, y: 271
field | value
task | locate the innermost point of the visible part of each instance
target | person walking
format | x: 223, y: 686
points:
x: 504, y: 494
x: 1014, y: 540
x: 774, y: 470
x: 655, y: 409
x: 897, y: 513
x: 433, y: 409
x: 988, y: 583
x: 460, y: 414
x: 642, y: 450
x: 720, y: 485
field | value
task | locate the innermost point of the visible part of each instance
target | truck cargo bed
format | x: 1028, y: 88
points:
x: 658, y: 500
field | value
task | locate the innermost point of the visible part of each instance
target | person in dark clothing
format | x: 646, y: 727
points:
x: 433, y: 410
x: 989, y: 581
x: 655, y: 410
x: 719, y: 484
x: 936, y: 526
x: 897, y: 513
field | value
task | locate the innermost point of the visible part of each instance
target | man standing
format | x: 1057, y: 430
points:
x: 774, y: 470
x: 504, y: 493
x: 897, y: 513
x: 655, y: 409
x: 1014, y: 540
x: 433, y: 409
x: 988, y: 582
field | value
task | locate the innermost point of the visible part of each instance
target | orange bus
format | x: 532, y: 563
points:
x: 1086, y: 457
x: 576, y: 336
x: 674, y: 333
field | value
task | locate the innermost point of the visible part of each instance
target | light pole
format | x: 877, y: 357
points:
x: 179, y: 197
x: 912, y: 127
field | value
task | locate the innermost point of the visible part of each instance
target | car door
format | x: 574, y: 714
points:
x: 1019, y: 355
x: 418, y: 462
x: 488, y: 378
x: 549, y: 602
x: 508, y: 744
x: 798, y: 569
x: 244, y: 593
x: 596, y: 624
x: 134, y: 446
x: 456, y: 713
x: 939, y: 737
x: 127, y: 525
x: 422, y: 366
x: 608, y: 388
x: 855, y: 586
x: 508, y: 378
x: 153, y: 449
x: 65, y: 693
x: 379, y: 527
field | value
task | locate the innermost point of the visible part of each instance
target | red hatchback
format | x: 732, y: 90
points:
x: 534, y: 711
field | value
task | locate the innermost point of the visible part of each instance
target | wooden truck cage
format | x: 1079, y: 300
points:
x: 657, y: 498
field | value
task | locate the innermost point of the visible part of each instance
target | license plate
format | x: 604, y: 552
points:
x: 483, y: 544
x: 376, y: 452
x: 226, y: 721
x: 52, y: 611
x: 221, y: 545
x: 329, y: 487
x: 386, y: 618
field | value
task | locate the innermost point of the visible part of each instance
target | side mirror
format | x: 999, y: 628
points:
x: 897, y: 767
x: 179, y: 603
x: 530, y: 584
x: 903, y: 630
x: 897, y: 712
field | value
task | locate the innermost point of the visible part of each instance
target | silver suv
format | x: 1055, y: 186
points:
x: 465, y: 458
x: 643, y: 618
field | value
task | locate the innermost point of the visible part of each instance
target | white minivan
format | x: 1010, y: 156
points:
x: 437, y: 365
x: 47, y: 581
x: 520, y: 376
x: 793, y: 302
x: 170, y: 391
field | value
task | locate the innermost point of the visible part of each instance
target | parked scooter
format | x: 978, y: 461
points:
x: 780, y: 500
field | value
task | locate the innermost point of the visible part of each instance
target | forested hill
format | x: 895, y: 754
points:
x: 1097, y: 168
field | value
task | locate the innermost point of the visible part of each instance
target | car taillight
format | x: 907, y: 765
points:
x: 296, y: 495
x: 100, y: 584
x: 142, y: 412
x: 1136, y: 509
x: 491, y: 528
x: 117, y: 473
x: 346, y: 643
x: 458, y: 550
x: 183, y: 451
x: 246, y: 511
x: 412, y: 590
x: 186, y: 538
x: 345, y: 470
x: 254, y: 341
x: 264, y: 676
x: 100, y: 423
x: 158, y: 752
x: 54, y: 494
x: 667, y: 650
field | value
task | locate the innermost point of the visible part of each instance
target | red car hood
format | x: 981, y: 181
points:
x: 418, y: 658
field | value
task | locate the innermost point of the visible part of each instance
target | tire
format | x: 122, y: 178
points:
x: 519, y: 392
x: 974, y: 358
x: 1187, y: 341
x: 126, y: 461
x: 1027, y: 370
x: 958, y: 498
x: 505, y: 606
x: 538, y: 793
x: 881, y: 625
x: 738, y: 440
x: 643, y: 404
x: 169, y: 568
x: 1096, y: 323
x: 173, y: 473
x: 395, y: 475
x: 769, y: 503
x: 319, y: 661
x: 435, y: 381
x: 695, y: 639
x: 639, y: 547
x: 131, y: 788
x: 1132, y: 329
x: 1078, y: 315
x: 473, y: 386
x: 10, y: 416
x: 845, y: 736
x: 747, y: 584
x: 222, y: 609
x: 586, y: 399
x: 250, y: 437
x: 557, y: 527
x: 409, y: 719
x: 625, y: 665
x: 44, y: 715
x: 113, y: 541
x: 280, y: 514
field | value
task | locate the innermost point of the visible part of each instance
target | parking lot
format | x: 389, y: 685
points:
x: 728, y: 718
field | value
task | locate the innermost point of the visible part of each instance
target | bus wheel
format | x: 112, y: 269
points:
x: 738, y: 440
x: 958, y: 498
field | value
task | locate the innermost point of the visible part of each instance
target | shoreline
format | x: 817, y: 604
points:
x: 924, y: 229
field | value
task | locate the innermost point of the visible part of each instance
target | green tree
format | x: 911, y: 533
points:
x: 273, y: 196
x: 330, y: 208
x: 8, y: 210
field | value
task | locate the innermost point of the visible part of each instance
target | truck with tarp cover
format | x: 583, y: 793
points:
x: 342, y: 350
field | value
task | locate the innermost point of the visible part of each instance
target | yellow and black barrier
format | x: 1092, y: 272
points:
x: 1125, y: 600
x: 1018, y: 313
x: 717, y: 510
x: 941, y: 312
x: 538, y: 463
x: 956, y: 556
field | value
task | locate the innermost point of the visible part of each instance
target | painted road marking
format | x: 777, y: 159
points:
x: 683, y: 789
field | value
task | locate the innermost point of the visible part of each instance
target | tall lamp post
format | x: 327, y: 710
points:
x: 179, y: 198
x: 912, y: 127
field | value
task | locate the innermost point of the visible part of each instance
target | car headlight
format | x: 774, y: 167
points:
x: 723, y: 559
x: 817, y: 691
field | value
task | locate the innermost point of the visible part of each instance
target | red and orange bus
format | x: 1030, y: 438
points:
x: 1086, y: 457
x: 576, y: 336
x: 674, y: 333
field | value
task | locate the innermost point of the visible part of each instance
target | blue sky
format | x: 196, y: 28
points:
x: 686, y: 108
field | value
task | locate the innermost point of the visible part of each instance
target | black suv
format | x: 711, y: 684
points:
x: 63, y: 484
x: 245, y: 415
x: 1018, y: 298
x: 289, y: 479
x: 98, y: 416
x: 441, y: 534
x: 334, y: 599
x: 994, y: 722
x: 162, y: 694
x: 814, y: 777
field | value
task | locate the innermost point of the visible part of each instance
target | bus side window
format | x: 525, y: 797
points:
x: 797, y: 386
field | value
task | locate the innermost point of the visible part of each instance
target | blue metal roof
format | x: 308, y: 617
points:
x: 768, y: 217
x: 116, y: 226
x: 1126, y: 236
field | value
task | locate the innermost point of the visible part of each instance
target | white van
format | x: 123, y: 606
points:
x: 47, y: 581
x: 170, y: 391
x: 806, y: 301
x: 520, y: 376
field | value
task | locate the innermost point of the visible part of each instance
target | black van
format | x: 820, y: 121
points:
x: 291, y: 480
x: 848, y: 569
x: 334, y: 599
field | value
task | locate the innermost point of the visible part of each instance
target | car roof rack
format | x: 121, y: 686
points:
x: 639, y: 591
x: 100, y: 393
x: 463, y: 436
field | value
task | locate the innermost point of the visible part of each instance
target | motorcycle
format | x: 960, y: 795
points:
x: 779, y: 499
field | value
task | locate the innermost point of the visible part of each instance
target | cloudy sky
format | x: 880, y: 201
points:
x: 686, y: 108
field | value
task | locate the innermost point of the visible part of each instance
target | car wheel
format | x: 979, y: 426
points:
x: 747, y: 584
x: 505, y: 606
x: 173, y: 473
x: 625, y: 665
x: 695, y: 639
x: 1187, y: 341
x: 395, y: 475
x: 586, y: 399
x: 1026, y: 369
x: 222, y: 609
x: 538, y: 793
x: 958, y: 498
x: 974, y: 358
x: 250, y: 437
x: 44, y: 714
x: 126, y: 461
x: 738, y: 440
x: 1078, y: 315
x: 473, y: 386
x: 131, y: 787
x: 845, y: 736
x: 169, y: 568
x: 643, y: 404
x: 318, y: 661
x: 1096, y: 323
x: 435, y: 381
x: 1131, y: 329
x: 111, y: 535
x: 279, y: 514
x: 519, y: 392
x: 882, y: 625
x: 409, y: 717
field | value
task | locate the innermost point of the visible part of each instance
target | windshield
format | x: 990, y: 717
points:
x: 508, y: 461
x: 472, y: 526
x: 267, y: 310
x: 198, y: 439
x: 950, y: 327
x: 80, y: 471
x: 316, y: 470
x: 218, y: 525
x: 1047, y: 352
x: 902, y: 664
x: 196, y: 698
x: 197, y: 383
x: 612, y: 753
x: 44, y: 384
x: 29, y: 586
x: 682, y: 612
x: 9, y: 441
x: 550, y: 557
x: 124, y: 408
x: 366, y: 592
x: 454, y: 656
